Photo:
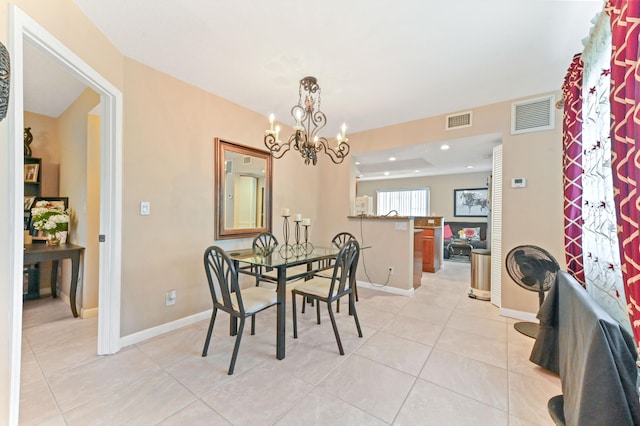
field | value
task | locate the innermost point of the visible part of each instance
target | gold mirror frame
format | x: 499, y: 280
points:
x: 223, y: 151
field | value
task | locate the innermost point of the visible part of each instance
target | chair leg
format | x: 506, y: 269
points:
x: 317, y: 311
x: 335, y: 327
x: 253, y: 324
x: 236, y: 347
x: 352, y: 308
x: 295, y: 316
x: 205, y: 349
x: 304, y: 302
x: 338, y: 306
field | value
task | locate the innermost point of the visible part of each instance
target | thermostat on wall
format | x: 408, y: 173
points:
x: 518, y: 182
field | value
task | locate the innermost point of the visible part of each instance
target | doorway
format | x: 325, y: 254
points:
x: 22, y: 28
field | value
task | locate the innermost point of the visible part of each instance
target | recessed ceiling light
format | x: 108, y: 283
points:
x: 386, y: 173
x: 392, y: 158
x: 357, y: 163
x: 444, y: 147
x: 416, y: 171
x: 469, y: 167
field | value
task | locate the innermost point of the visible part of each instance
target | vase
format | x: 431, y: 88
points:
x: 53, y: 239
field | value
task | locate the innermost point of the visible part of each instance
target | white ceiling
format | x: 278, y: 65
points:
x: 378, y: 62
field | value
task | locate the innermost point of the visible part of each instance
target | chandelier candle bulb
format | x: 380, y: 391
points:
x: 306, y: 222
x: 271, y: 119
x: 285, y: 213
x: 297, y: 217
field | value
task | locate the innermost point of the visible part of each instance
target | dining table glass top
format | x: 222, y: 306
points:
x: 283, y: 256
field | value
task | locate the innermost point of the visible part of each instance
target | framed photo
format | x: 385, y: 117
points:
x: 472, y: 202
x: 31, y: 172
x: 28, y: 201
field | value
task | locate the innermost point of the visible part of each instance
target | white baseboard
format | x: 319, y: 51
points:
x: 140, y: 336
x: 89, y: 313
x: 386, y: 288
x: 519, y: 315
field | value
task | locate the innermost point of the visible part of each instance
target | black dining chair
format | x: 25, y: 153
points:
x: 263, y: 245
x: 227, y: 296
x: 329, y: 290
x: 338, y: 241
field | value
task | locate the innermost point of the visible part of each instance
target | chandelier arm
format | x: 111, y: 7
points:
x: 337, y: 155
x: 277, y: 149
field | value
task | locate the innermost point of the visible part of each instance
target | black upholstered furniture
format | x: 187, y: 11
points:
x: 455, y: 227
x: 593, y: 354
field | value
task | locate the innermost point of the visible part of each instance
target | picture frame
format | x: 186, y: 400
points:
x: 28, y: 201
x: 471, y: 202
x: 31, y: 172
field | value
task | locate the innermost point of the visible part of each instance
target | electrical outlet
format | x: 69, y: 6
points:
x: 170, y: 298
x: 390, y: 270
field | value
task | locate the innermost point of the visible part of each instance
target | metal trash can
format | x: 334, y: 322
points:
x: 480, y: 274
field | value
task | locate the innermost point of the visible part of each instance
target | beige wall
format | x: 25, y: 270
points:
x: 532, y: 215
x: 73, y: 126
x: 46, y: 146
x: 440, y: 190
x: 168, y: 160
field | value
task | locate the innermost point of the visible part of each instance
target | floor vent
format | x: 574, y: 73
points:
x: 532, y: 115
x: 459, y: 121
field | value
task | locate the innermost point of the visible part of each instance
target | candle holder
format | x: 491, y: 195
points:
x: 298, y: 248
x: 307, y: 246
x: 286, y: 250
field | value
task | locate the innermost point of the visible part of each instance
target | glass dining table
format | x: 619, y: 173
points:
x: 315, y: 258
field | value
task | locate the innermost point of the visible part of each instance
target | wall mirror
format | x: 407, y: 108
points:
x: 243, y: 190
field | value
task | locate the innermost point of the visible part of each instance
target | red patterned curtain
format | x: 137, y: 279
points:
x: 625, y: 133
x: 572, y: 167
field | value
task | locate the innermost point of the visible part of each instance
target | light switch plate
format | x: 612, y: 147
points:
x: 145, y: 208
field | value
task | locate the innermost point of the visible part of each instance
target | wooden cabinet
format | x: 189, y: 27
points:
x: 417, y: 257
x: 431, y: 249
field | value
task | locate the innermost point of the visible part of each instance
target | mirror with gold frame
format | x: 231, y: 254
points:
x: 243, y: 190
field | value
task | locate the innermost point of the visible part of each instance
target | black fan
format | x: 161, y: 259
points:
x: 535, y: 269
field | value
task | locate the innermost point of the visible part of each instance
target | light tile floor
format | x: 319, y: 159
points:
x: 437, y: 358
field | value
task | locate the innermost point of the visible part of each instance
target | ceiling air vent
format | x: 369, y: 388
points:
x: 459, y: 121
x: 532, y: 115
x: 246, y: 159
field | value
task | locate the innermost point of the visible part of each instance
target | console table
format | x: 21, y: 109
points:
x: 39, y: 252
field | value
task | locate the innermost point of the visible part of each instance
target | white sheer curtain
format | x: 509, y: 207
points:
x: 603, y: 276
x: 407, y: 202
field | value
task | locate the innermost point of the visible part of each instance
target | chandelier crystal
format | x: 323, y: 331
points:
x: 309, y: 119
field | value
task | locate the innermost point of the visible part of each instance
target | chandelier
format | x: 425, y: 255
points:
x: 309, y: 120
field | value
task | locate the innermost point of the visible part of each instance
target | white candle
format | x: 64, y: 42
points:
x: 285, y: 213
x: 306, y: 222
x: 297, y: 217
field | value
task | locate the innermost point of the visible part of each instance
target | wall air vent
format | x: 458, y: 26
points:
x: 532, y: 115
x: 458, y: 121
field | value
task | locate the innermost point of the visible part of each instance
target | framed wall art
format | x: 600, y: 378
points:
x: 472, y: 202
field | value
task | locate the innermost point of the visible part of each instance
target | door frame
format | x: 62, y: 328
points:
x: 21, y: 28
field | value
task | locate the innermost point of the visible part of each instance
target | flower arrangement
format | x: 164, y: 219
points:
x: 50, y: 219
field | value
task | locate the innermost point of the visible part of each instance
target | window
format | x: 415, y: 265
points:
x: 407, y: 202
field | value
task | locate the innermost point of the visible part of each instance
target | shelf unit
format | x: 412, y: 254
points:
x: 31, y: 280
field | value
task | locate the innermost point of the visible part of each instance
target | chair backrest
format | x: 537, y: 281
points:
x: 223, y: 280
x: 344, y: 270
x: 340, y: 239
x: 264, y: 243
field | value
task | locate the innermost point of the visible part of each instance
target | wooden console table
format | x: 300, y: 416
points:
x: 34, y: 253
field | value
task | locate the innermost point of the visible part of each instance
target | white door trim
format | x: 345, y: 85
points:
x: 21, y: 28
